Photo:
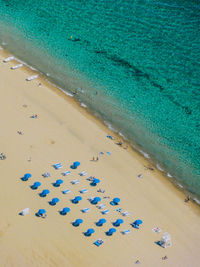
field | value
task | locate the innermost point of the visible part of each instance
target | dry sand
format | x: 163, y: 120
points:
x: 64, y: 132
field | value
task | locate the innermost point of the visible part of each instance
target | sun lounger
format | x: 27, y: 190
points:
x: 83, y: 191
x: 125, y: 213
x: 16, y: 67
x: 75, y: 181
x: 105, y: 212
x: 57, y: 166
x: 67, y: 191
x: 46, y: 174
x: 24, y: 211
x: 98, y: 242
x: 85, y: 210
x: 66, y: 173
x: 83, y: 173
x: 91, y: 178
x: 30, y: 78
x: 101, y: 206
x: 8, y: 59
x: 124, y: 232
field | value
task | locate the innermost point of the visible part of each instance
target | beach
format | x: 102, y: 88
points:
x: 64, y: 132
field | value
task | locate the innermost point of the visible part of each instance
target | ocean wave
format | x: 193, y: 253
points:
x: 146, y: 155
x: 159, y: 167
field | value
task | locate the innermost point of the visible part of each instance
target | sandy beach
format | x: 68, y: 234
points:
x: 64, y: 132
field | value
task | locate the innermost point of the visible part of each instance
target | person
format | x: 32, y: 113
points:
x: 97, y: 159
x: 137, y: 262
x: 188, y: 198
x: 19, y: 132
x: 39, y: 84
x: 120, y: 143
x: 165, y: 257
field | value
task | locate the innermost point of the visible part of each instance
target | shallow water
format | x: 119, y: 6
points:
x: 136, y: 63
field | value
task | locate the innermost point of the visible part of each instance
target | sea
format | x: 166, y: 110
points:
x: 135, y: 64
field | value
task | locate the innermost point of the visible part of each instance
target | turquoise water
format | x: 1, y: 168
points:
x: 138, y: 63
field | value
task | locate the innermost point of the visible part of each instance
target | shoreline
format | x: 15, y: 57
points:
x: 133, y: 148
x: 65, y: 132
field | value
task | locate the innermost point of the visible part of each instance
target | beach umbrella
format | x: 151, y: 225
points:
x: 111, y: 231
x: 59, y: 181
x: 95, y: 181
x: 65, y: 210
x: 118, y: 222
x: 89, y: 231
x: 54, y: 201
x: 76, y: 164
x: 138, y: 222
x: 101, y: 222
x: 27, y: 175
x: 116, y: 200
x: 45, y: 192
x: 77, y: 222
x: 96, y: 200
x: 78, y: 198
x: 36, y: 185
x: 42, y: 211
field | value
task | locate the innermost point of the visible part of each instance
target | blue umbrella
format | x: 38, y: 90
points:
x: 54, y: 201
x: 111, y: 231
x: 45, y: 191
x: 118, y: 222
x: 96, y: 200
x: 59, y: 181
x: 76, y: 164
x: 42, y: 211
x: 27, y: 175
x: 89, y: 232
x: 76, y: 199
x: 36, y: 185
x: 65, y: 210
x: 77, y: 222
x: 101, y: 222
x: 138, y: 222
x: 116, y: 200
x: 95, y: 182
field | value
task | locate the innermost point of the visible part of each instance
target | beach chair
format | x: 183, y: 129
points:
x: 125, y: 213
x: 67, y: 191
x: 83, y: 191
x: 16, y: 67
x: 46, y: 174
x: 66, y: 173
x: 124, y: 232
x: 85, y: 210
x: 83, y: 173
x: 30, y: 78
x: 57, y: 166
x: 8, y: 59
x: 99, y: 242
x: 105, y: 212
x: 75, y: 181
x: 101, y: 206
x: 24, y: 211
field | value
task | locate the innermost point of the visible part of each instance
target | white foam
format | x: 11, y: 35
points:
x: 144, y: 154
x: 83, y: 105
x: 159, y: 168
x: 48, y: 74
x: 169, y: 175
x: 1, y: 48
x: 179, y: 185
x: 3, y: 43
x: 197, y: 201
